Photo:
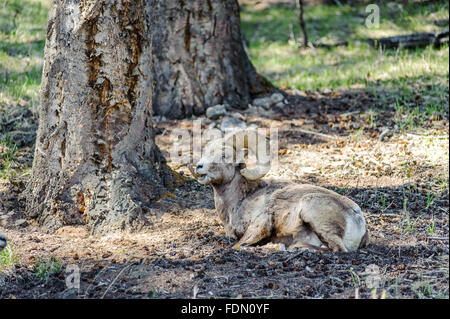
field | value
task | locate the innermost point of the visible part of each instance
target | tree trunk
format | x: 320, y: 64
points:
x: 301, y: 20
x: 96, y: 162
x: 199, y: 58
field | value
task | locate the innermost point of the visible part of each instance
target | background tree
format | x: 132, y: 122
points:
x: 301, y: 20
x: 199, y: 58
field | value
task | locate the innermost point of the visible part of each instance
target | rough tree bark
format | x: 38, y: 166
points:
x: 199, y: 58
x: 96, y: 162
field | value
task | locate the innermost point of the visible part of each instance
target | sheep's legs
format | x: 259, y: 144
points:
x: 257, y: 231
x: 325, y: 218
x: 306, y: 239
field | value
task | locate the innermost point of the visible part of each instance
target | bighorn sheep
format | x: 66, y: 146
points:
x: 2, y: 241
x: 262, y: 211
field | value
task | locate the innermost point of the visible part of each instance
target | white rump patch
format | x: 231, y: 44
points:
x: 354, y: 230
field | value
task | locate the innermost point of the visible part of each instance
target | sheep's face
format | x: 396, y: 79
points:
x: 216, y: 165
x: 223, y: 158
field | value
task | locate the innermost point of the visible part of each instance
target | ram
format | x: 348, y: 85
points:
x: 2, y: 241
x: 258, y: 211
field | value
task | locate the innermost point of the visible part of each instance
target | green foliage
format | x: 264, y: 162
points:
x: 44, y: 268
x: 8, y: 258
x: 23, y: 25
x: 8, y: 151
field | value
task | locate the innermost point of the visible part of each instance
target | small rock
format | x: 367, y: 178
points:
x: 383, y: 134
x: 252, y: 110
x: 309, y: 269
x: 21, y: 223
x: 215, y: 112
x: 231, y: 123
x: 277, y: 98
x: 264, y: 102
x: 238, y: 116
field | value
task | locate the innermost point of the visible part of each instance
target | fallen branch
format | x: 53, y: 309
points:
x: 115, y: 279
x: 440, y: 137
x: 414, y: 40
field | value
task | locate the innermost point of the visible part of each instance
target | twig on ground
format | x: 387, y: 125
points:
x: 383, y: 134
x: 318, y: 134
x: 440, y: 137
x: 373, y: 252
x: 115, y: 279
x: 93, y: 281
x: 437, y: 238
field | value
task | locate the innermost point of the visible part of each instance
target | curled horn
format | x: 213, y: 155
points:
x: 253, y: 142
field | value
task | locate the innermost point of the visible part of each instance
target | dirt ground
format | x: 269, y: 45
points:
x: 399, y: 180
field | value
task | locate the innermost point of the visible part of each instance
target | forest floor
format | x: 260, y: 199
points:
x: 382, y: 139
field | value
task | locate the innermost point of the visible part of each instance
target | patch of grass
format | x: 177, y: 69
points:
x: 383, y: 200
x: 8, y: 151
x: 44, y: 268
x: 415, y: 79
x: 409, y: 224
x: 430, y: 198
x: 23, y: 25
x: 154, y: 294
x: 345, y: 22
x: 355, y: 278
x: 425, y: 290
x: 8, y: 258
x: 431, y: 228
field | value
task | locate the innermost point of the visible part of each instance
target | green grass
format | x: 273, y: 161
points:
x: 383, y: 201
x: 44, y: 268
x: 8, y: 258
x: 389, y: 74
x: 23, y: 27
x: 8, y: 151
